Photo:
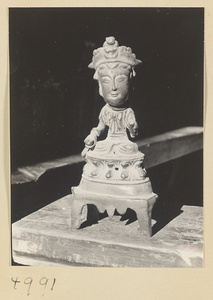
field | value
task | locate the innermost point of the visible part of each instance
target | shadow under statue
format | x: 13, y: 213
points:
x: 114, y: 177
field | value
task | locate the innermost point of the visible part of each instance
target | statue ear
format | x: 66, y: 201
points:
x: 133, y: 72
x: 100, y: 89
x: 95, y: 75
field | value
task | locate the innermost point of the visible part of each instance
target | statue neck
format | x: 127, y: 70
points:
x: 118, y: 108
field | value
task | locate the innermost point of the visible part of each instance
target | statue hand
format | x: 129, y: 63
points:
x: 90, y: 142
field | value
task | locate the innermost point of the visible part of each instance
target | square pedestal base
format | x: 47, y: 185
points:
x: 142, y: 207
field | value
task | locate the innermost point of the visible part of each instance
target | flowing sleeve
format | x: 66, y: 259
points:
x: 102, y: 123
x: 130, y: 117
x: 102, y: 115
x: 131, y: 122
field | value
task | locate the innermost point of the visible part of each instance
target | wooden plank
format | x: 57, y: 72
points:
x: 158, y: 149
x: 171, y: 145
x: 32, y: 173
x: 45, y: 238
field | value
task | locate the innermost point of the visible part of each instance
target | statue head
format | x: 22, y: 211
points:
x: 114, y: 69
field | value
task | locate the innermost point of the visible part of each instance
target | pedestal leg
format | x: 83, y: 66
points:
x: 144, y: 220
x: 76, y: 213
x: 144, y: 215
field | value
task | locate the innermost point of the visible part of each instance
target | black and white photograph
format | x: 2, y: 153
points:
x: 106, y: 136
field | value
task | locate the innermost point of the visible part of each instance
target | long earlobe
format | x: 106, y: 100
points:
x: 100, y: 90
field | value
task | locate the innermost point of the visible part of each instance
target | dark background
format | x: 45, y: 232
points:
x: 54, y: 100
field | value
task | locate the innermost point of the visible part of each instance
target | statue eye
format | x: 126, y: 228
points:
x: 121, y: 78
x: 105, y: 80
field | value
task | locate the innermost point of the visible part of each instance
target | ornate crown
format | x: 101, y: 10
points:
x: 112, y: 52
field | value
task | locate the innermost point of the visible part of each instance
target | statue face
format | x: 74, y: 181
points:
x: 114, y: 84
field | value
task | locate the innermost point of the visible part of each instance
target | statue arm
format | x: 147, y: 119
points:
x: 132, y: 124
x: 91, y: 140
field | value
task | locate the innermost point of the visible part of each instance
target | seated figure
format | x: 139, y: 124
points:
x: 114, y: 67
x: 113, y: 176
x: 114, y: 70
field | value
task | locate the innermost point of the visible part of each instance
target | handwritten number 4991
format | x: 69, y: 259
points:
x: 29, y: 280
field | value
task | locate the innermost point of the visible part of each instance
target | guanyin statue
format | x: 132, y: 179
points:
x: 113, y: 176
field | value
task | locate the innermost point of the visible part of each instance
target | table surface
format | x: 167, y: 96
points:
x: 45, y: 238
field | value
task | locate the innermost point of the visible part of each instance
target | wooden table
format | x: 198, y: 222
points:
x: 45, y: 238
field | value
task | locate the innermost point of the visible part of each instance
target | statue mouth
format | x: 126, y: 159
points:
x: 114, y: 95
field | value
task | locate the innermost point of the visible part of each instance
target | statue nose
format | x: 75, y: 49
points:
x: 114, y: 88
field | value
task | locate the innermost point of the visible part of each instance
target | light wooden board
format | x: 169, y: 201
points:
x: 171, y: 145
x: 45, y: 238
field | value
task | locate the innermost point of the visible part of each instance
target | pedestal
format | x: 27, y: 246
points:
x: 108, y: 197
x: 114, y: 178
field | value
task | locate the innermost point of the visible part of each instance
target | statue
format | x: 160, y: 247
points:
x: 113, y: 176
